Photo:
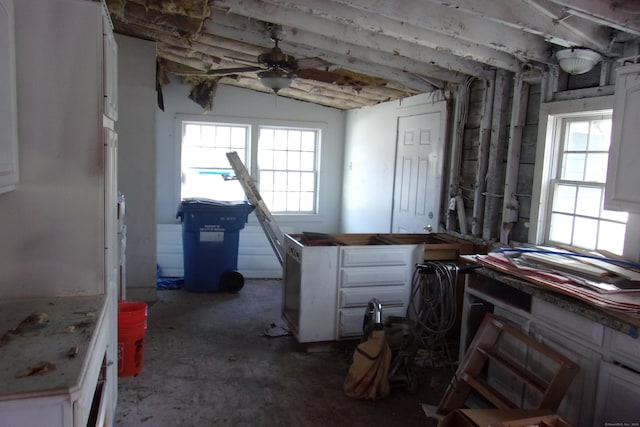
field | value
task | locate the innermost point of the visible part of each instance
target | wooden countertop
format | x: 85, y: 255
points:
x: 38, y: 339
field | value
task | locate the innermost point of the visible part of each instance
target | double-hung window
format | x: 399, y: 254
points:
x: 576, y: 214
x: 205, y: 170
x: 287, y: 164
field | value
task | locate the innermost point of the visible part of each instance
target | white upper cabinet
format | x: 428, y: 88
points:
x: 8, y: 106
x: 622, y: 192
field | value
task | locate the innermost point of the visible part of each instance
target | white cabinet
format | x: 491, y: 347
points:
x: 66, y: 392
x: 378, y: 271
x: 327, y: 288
x: 607, y: 387
x: 58, y: 226
x: 8, y: 105
x: 624, y: 154
x: 617, y: 398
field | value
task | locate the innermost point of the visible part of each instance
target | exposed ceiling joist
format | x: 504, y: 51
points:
x: 351, y: 53
x: 522, y: 15
x: 451, y: 29
x: 623, y: 15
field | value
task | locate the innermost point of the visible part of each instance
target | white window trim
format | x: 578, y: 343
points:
x: 545, y: 167
x: 252, y: 151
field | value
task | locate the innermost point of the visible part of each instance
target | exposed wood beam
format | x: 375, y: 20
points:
x: 520, y: 14
x: 623, y: 15
x: 333, y: 36
x: 449, y: 25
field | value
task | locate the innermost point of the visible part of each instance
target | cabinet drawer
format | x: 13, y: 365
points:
x: 624, y: 349
x: 373, y: 276
x: 567, y: 323
x: 350, y: 320
x: 377, y: 255
x: 360, y: 297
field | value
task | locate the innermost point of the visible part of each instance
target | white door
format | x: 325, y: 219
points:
x: 418, y: 177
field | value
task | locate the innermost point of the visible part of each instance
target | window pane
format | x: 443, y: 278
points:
x: 307, y: 161
x: 280, y: 160
x: 279, y: 202
x: 564, y: 198
x: 293, y: 183
x: 265, y: 159
x: 293, y: 160
x: 293, y: 201
x: 307, y: 181
x: 586, y: 233
x: 614, y: 215
x: 588, y: 202
x: 308, y: 141
x: 578, y: 135
x: 204, y: 164
x: 561, y: 228
x: 596, y: 167
x: 280, y: 181
x: 280, y: 140
x: 266, y: 139
x: 238, y: 138
x: 294, y: 140
x: 306, y: 202
x: 266, y: 181
x: 573, y: 167
x: 600, y: 137
x: 611, y: 237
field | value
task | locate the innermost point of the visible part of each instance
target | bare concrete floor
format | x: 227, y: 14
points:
x: 207, y: 362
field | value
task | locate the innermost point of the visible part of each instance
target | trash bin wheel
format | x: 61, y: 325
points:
x: 231, y: 281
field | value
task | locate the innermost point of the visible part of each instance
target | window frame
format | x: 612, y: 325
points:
x: 546, y: 165
x: 252, y: 151
x: 316, y: 163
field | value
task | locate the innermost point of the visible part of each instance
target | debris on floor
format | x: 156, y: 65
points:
x: 275, y: 330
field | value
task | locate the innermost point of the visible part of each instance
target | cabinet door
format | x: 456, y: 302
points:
x: 618, y: 396
x: 624, y: 154
x: 8, y: 105
x: 502, y: 379
x: 578, y: 403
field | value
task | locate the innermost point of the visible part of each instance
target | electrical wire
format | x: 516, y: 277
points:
x: 432, y: 304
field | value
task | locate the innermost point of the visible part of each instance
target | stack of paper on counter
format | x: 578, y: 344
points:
x: 604, y: 286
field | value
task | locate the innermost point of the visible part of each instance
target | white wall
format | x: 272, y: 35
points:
x: 136, y: 129
x: 255, y: 257
x: 369, y: 162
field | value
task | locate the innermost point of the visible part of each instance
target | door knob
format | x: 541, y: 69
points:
x: 427, y: 228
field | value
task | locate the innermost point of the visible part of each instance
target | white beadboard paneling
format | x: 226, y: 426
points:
x: 256, y: 259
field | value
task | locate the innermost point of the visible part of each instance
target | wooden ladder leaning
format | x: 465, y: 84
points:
x: 268, y: 223
x: 485, y: 349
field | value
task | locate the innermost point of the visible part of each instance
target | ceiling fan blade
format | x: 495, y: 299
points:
x: 313, y: 62
x: 319, y: 75
x: 222, y: 71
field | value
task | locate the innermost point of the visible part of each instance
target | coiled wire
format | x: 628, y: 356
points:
x: 432, y: 304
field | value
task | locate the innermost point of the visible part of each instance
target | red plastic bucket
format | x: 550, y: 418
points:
x: 132, y: 324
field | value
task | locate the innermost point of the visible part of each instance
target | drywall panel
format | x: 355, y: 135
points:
x: 369, y: 162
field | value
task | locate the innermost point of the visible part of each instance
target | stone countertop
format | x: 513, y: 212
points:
x: 44, y: 343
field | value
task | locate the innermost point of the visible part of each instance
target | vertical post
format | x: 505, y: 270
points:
x: 460, y: 119
x: 483, y: 158
x: 495, y: 169
x: 518, y: 119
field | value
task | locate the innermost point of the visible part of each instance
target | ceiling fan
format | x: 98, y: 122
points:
x: 276, y: 69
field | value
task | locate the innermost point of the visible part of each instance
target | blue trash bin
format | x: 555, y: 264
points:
x: 210, y: 233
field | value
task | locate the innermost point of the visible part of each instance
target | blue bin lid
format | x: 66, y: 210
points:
x: 203, y: 204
